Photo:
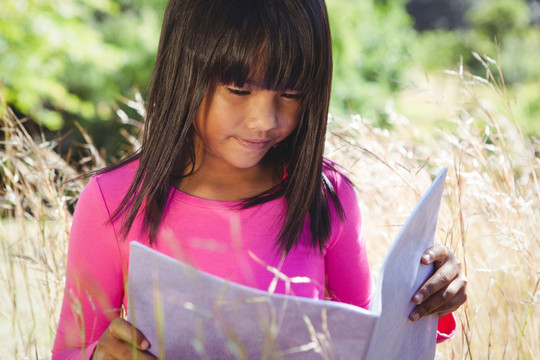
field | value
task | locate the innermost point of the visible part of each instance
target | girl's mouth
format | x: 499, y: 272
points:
x: 254, y: 144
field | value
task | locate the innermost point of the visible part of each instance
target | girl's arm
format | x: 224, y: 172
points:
x: 347, y: 268
x: 94, y: 278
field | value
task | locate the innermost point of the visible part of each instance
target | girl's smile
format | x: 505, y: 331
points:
x: 255, y: 145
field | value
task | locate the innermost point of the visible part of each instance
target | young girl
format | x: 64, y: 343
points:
x: 230, y: 176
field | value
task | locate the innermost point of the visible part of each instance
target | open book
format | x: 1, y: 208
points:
x: 188, y: 314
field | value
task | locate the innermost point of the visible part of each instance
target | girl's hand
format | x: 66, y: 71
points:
x: 122, y: 341
x: 445, y: 290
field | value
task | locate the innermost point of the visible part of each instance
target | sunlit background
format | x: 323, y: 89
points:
x: 418, y: 85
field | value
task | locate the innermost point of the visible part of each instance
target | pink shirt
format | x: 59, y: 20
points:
x: 214, y: 236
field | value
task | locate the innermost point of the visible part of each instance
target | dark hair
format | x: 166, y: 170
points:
x: 277, y: 44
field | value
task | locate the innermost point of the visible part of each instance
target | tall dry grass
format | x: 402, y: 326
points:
x: 35, y: 206
x: 489, y: 215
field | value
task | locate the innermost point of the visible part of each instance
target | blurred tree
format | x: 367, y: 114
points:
x: 70, y: 60
x: 534, y: 6
x: 370, y: 45
x: 438, y: 14
x: 495, y: 27
x: 507, y: 31
x: 497, y: 18
x: 66, y: 61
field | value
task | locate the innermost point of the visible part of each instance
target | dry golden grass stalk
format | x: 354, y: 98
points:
x: 36, y: 201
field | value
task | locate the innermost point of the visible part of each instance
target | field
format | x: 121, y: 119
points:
x: 490, y: 214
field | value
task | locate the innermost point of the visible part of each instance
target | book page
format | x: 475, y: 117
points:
x: 401, y: 275
x: 185, y: 313
x: 189, y: 314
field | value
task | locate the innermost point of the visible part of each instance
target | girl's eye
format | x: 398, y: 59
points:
x: 238, y: 92
x: 291, y: 95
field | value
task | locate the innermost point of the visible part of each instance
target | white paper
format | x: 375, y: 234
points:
x: 187, y: 314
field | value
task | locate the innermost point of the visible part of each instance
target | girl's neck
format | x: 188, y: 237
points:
x: 212, y: 183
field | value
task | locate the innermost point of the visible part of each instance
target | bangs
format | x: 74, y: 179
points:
x: 272, y: 44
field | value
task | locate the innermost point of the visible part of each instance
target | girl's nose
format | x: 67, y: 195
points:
x: 263, y: 115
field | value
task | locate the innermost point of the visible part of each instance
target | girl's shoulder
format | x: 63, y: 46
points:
x: 119, y: 175
x: 114, y: 184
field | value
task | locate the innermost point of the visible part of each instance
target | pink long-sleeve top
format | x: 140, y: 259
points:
x: 214, y: 236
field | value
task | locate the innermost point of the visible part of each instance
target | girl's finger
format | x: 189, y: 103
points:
x: 439, y: 280
x: 447, y: 268
x: 435, y: 253
x: 124, y: 331
x: 444, y: 301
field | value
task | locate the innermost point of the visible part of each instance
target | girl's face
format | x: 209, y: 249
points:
x: 235, y: 127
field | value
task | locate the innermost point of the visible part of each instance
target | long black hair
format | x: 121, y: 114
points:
x: 277, y: 44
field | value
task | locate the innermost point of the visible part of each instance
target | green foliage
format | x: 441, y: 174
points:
x: 496, y: 18
x: 69, y: 60
x: 66, y: 61
x: 494, y: 27
x: 527, y: 106
x: 370, y: 40
x: 502, y: 30
x: 439, y: 48
x: 520, y: 56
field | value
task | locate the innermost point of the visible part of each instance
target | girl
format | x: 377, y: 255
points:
x: 230, y: 176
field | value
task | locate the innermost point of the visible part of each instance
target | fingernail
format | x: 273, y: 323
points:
x: 426, y: 257
x: 415, y: 316
x: 417, y: 299
x: 145, y: 345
